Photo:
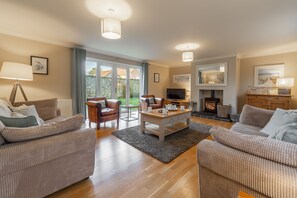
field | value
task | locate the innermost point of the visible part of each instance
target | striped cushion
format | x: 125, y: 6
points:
x: 30, y: 133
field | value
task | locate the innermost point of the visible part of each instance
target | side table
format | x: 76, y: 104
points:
x: 129, y: 117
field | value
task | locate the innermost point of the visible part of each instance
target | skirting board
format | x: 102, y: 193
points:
x: 66, y: 107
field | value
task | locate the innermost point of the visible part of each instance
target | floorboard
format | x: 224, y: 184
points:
x: 123, y: 171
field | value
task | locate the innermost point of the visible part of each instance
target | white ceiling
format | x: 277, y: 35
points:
x: 155, y: 27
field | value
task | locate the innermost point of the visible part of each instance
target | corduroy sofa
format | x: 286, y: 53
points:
x: 241, y: 159
x: 39, y: 167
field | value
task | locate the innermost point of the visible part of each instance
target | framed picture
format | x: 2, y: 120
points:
x: 39, y: 65
x: 183, y: 78
x: 156, y: 77
x: 266, y: 75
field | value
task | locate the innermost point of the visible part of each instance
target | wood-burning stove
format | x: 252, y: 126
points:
x: 210, y: 104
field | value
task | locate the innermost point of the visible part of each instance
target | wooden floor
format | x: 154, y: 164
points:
x: 123, y: 171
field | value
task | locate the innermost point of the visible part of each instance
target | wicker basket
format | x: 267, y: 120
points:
x: 224, y: 111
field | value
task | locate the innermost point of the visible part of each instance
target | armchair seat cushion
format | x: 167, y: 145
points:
x: 107, y: 111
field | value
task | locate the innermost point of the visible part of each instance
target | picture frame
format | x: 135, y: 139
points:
x: 156, y: 77
x: 182, y: 78
x: 39, y: 65
x: 266, y: 75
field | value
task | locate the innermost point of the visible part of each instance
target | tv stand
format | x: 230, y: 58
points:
x: 178, y: 102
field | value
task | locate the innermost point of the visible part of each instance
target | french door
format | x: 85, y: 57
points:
x: 113, y: 80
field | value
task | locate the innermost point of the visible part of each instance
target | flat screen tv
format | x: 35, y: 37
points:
x: 176, y: 94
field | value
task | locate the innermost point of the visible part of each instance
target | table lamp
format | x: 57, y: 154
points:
x: 17, y: 72
x: 284, y: 85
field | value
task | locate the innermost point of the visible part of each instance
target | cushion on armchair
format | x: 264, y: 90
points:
x: 151, y: 100
x: 278, y: 151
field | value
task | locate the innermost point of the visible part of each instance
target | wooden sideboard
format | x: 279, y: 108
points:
x: 269, y: 101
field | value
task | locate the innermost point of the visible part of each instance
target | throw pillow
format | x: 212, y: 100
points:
x: 26, y: 111
x: 151, y: 100
x: 35, y: 132
x: 19, y: 122
x: 255, y: 116
x: 287, y: 133
x: 4, y: 110
x: 280, y: 118
x: 5, y: 102
x: 2, y: 127
x: 47, y: 109
x: 102, y: 102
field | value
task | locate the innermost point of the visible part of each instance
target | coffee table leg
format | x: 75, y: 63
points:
x: 161, y: 132
x: 142, y: 126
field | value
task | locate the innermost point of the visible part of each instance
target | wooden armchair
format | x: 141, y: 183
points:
x: 102, y: 110
x: 152, y: 101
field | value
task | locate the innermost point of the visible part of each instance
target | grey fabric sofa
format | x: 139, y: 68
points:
x: 40, y: 167
x: 241, y: 159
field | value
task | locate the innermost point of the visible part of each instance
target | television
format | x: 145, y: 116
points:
x: 175, y: 94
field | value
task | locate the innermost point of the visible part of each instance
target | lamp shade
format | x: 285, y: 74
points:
x: 187, y: 56
x: 16, y: 71
x: 285, y: 82
x: 111, y: 28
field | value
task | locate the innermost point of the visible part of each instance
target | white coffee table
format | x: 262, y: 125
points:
x: 162, y: 125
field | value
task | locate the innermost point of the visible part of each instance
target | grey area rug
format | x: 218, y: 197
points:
x: 173, y: 145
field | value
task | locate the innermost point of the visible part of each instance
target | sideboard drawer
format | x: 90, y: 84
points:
x: 280, y: 99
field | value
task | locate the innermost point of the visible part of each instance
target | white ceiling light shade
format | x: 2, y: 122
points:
x: 187, y: 46
x: 111, y: 28
x: 187, y: 56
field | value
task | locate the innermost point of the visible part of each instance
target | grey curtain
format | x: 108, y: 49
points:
x: 78, y: 81
x: 145, y: 67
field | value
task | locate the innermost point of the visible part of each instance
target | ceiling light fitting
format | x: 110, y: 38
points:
x: 111, y: 27
x: 187, y: 56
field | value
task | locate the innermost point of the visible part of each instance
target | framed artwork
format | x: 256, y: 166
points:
x: 183, y: 78
x: 156, y: 77
x: 266, y: 75
x: 39, y: 65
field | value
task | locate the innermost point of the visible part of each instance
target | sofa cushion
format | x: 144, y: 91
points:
x: 280, y: 118
x: 287, y: 133
x: 46, y: 109
x: 26, y: 111
x: 35, y: 132
x: 2, y: 126
x: 19, y: 122
x: 4, y: 110
x: 247, y: 129
x: 278, y: 151
x: 255, y: 116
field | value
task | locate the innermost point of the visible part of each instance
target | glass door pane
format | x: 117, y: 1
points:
x: 134, y: 86
x: 91, y: 72
x: 105, y: 85
x: 121, y: 85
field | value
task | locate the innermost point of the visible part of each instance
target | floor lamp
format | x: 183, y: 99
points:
x: 17, y: 72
